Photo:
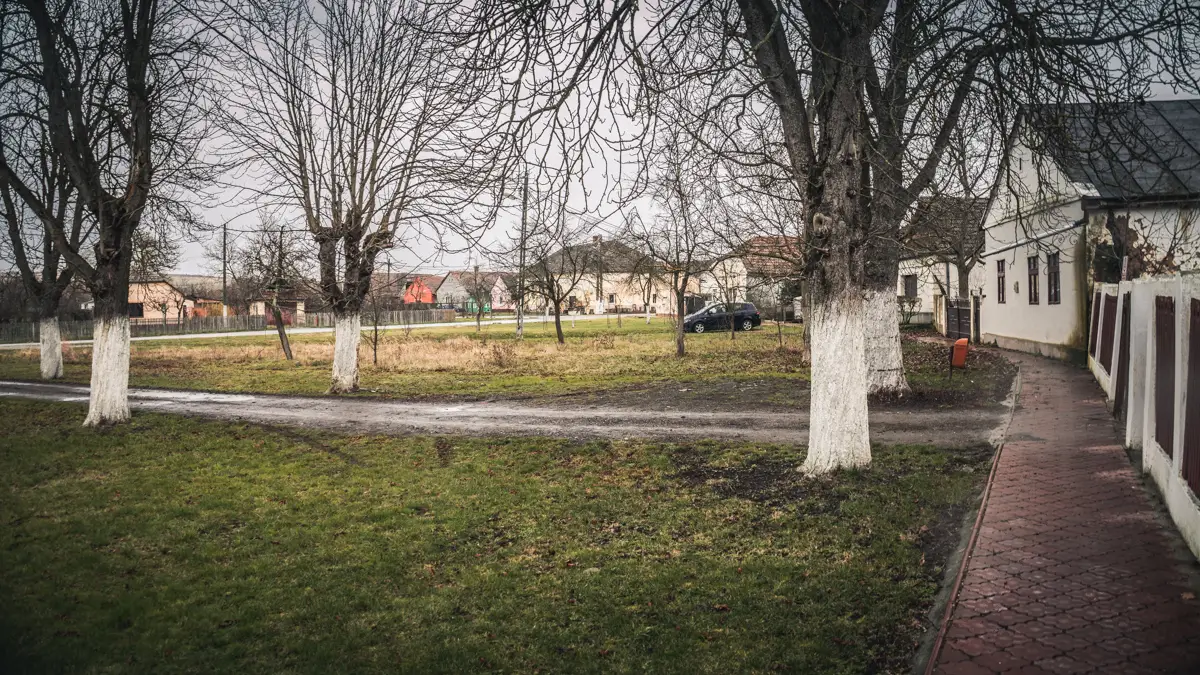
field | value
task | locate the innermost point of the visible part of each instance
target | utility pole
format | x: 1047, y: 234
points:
x: 224, y: 268
x: 521, y: 263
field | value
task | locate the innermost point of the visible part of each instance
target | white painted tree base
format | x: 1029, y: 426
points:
x: 109, y: 399
x: 347, y: 331
x: 51, y: 349
x: 885, y: 360
x: 838, y: 434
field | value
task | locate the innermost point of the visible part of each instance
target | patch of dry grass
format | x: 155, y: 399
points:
x: 449, y: 363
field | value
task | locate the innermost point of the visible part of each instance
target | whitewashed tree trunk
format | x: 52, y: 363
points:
x: 109, y: 399
x: 647, y: 315
x: 885, y: 360
x: 51, y: 349
x: 838, y: 435
x: 347, y: 330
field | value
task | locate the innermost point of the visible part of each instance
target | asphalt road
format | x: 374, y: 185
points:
x: 953, y: 428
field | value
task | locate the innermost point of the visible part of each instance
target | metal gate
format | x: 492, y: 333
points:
x: 958, y: 318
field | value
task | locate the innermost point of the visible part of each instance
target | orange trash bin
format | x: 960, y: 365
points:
x: 958, y: 353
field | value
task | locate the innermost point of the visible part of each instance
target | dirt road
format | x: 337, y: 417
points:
x: 937, y: 426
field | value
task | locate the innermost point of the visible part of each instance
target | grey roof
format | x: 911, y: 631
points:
x: 1127, y: 151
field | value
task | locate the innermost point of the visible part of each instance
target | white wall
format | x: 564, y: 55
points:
x: 1049, y: 329
x: 1166, y: 470
x: 1104, y: 377
x: 725, y: 282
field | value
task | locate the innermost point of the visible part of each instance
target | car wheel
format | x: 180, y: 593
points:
x: 698, y: 328
x: 747, y: 324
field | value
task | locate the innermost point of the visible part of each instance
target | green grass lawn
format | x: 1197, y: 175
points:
x: 447, y: 363
x: 178, y: 545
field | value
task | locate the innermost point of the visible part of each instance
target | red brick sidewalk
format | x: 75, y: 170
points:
x: 1071, y: 571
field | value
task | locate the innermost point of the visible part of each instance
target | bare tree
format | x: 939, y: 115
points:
x: 479, y: 287
x: 680, y: 238
x: 559, y: 257
x: 863, y: 97
x: 355, y: 116
x: 647, y: 277
x: 269, y: 262
x: 120, y: 92
x: 30, y: 246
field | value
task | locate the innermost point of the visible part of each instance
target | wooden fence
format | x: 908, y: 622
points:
x: 27, y: 331
x: 407, y: 317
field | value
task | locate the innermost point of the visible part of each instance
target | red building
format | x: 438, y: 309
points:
x: 422, y: 289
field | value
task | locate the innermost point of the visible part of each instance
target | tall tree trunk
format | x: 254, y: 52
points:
x: 51, y: 348
x: 964, y: 280
x: 279, y: 328
x: 108, y: 400
x: 679, y: 338
x: 885, y: 360
x: 838, y: 434
x: 347, y: 331
x: 558, y: 324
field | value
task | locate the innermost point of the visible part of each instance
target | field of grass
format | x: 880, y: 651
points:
x: 458, y: 362
x: 450, y: 361
x: 179, y: 545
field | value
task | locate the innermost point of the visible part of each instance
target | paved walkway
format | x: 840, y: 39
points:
x: 1072, y: 571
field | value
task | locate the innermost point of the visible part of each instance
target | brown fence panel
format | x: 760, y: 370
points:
x: 1107, y: 330
x: 1191, y: 415
x: 1164, y: 373
x: 1123, y: 361
x: 1095, y: 334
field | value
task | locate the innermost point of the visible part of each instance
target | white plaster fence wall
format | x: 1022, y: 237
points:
x: 1107, y: 382
x: 1165, y: 466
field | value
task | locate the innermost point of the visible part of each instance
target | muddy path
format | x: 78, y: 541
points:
x: 938, y: 426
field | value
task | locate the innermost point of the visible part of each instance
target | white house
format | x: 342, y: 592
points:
x: 764, y: 270
x: 1089, y: 194
x: 942, y: 242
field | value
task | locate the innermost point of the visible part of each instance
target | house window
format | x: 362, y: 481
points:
x: 612, y: 298
x: 654, y: 297
x: 910, y: 285
x: 1033, y: 279
x: 136, y: 311
x: 1053, y: 280
x: 1000, y: 282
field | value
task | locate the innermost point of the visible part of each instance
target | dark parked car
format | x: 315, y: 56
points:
x: 744, y: 316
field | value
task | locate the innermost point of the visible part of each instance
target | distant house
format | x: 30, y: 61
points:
x: 1090, y: 194
x: 764, y: 270
x: 291, y: 308
x: 421, y: 289
x: 459, y: 290
x: 205, y: 291
x: 941, y: 246
x: 613, y: 277
x: 158, y: 300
